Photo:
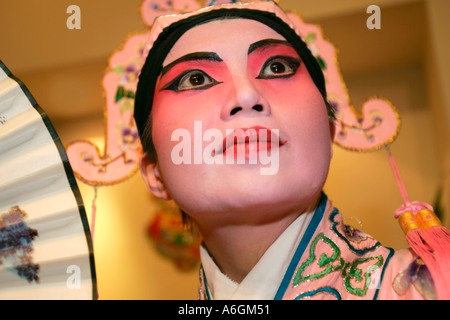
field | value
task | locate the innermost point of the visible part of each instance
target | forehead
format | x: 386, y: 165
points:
x: 221, y: 36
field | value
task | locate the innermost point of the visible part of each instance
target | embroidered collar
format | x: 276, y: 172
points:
x: 332, y: 260
x: 263, y: 282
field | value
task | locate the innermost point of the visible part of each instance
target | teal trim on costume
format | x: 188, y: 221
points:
x: 306, y: 239
x: 205, y: 284
x: 391, y: 253
x: 325, y: 289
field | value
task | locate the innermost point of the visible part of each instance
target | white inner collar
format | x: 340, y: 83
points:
x: 263, y: 280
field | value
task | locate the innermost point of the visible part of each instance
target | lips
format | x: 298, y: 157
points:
x: 249, y: 140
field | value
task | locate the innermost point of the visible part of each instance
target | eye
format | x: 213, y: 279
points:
x: 191, y: 80
x: 279, y: 67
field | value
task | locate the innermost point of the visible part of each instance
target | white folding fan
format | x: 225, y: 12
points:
x: 45, y: 244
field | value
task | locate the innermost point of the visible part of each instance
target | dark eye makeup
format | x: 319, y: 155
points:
x: 276, y: 67
x: 192, y: 79
x: 279, y: 67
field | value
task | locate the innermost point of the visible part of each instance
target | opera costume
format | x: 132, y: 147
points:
x: 324, y: 259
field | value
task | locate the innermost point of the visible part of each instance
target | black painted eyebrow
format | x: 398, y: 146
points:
x: 267, y: 42
x: 211, y: 56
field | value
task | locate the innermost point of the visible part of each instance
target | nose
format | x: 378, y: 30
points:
x: 244, y: 99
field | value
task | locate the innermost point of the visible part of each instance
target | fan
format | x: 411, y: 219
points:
x: 45, y: 244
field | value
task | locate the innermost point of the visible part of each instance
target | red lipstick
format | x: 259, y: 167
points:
x: 249, y: 142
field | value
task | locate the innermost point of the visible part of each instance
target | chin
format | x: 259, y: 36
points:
x: 268, y: 193
x: 242, y: 189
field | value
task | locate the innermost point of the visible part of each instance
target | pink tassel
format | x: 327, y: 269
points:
x: 415, y: 236
x: 426, y: 236
x: 430, y: 241
x: 438, y: 238
x: 424, y: 245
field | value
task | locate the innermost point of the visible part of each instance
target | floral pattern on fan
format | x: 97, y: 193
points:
x: 16, y: 245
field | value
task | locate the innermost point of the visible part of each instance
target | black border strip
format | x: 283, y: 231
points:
x: 69, y: 174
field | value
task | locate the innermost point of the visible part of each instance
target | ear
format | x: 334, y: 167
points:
x: 152, y: 178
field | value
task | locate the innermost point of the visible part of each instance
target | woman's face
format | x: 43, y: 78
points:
x: 238, y: 74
